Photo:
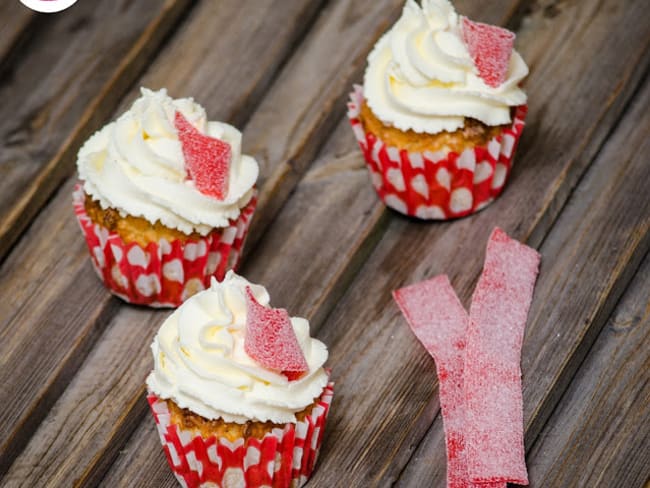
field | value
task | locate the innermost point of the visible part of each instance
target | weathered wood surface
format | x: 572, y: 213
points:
x: 598, y: 436
x: 74, y: 70
x: 286, y: 84
x: 14, y: 29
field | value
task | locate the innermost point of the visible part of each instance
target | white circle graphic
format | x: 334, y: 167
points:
x: 48, y: 6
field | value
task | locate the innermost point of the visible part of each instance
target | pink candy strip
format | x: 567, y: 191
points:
x: 493, y: 394
x: 440, y: 322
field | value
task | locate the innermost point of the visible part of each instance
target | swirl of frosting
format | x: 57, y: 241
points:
x: 421, y: 77
x: 200, y: 362
x: 136, y: 165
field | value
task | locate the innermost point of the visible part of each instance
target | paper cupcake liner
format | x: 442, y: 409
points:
x: 162, y: 274
x: 285, y: 457
x: 437, y: 185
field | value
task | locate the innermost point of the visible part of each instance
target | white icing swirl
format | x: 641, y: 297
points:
x: 200, y: 362
x: 136, y: 166
x: 420, y: 75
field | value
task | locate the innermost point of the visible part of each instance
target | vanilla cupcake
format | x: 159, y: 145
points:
x: 238, y: 390
x: 440, y: 112
x: 165, y: 199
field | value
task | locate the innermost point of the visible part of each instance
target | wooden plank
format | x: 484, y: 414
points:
x: 43, y: 335
x: 366, y: 335
x: 15, y: 28
x: 599, y: 433
x: 311, y: 90
x: 227, y: 54
x: 49, y: 279
x: 588, y: 256
x: 142, y: 451
x: 61, y: 89
x: 65, y: 455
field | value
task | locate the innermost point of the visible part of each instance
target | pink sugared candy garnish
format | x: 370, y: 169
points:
x: 207, y: 159
x: 490, y: 47
x: 271, y: 340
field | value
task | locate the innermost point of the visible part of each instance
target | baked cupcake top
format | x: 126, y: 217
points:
x: 162, y: 160
x: 433, y: 68
x: 202, y: 356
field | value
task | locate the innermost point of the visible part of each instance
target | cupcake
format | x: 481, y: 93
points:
x: 165, y: 200
x: 440, y: 112
x: 238, y: 390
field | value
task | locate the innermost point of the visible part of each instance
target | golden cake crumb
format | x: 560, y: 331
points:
x: 474, y: 133
x: 133, y: 229
x: 232, y: 431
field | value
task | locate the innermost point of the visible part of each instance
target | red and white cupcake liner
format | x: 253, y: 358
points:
x: 437, y: 185
x: 162, y: 274
x: 285, y: 457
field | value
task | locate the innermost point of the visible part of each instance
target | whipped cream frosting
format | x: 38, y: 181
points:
x: 200, y: 362
x: 420, y: 75
x: 136, y: 165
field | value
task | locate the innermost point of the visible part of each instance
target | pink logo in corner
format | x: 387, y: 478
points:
x: 48, y: 6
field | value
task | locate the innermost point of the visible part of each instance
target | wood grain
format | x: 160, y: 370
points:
x: 307, y: 99
x: 14, y: 30
x: 75, y: 71
x: 593, y: 272
x: 71, y: 335
x: 377, y: 356
x: 64, y: 450
x: 599, y: 433
x: 52, y: 311
x: 227, y: 53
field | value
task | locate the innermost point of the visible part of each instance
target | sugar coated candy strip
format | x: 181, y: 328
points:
x: 440, y: 322
x: 494, y: 404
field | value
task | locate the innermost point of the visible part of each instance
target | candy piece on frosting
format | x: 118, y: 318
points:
x: 207, y: 159
x: 498, y: 313
x: 271, y: 340
x: 490, y: 47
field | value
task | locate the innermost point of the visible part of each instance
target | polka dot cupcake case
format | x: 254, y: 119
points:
x: 162, y: 274
x: 436, y: 185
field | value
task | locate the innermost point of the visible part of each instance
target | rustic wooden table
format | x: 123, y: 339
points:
x: 73, y: 358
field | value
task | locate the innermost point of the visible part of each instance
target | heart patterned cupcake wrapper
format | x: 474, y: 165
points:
x: 437, y: 185
x: 284, y: 457
x: 162, y: 274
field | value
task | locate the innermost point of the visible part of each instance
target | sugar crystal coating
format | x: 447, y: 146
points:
x: 207, y: 159
x: 271, y: 340
x: 490, y: 47
x: 493, y: 393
